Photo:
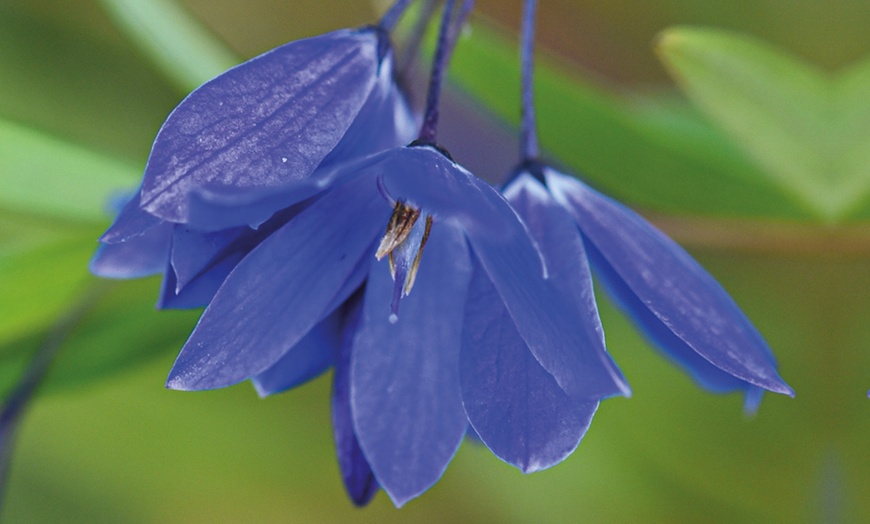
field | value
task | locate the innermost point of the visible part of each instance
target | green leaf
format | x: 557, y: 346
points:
x: 46, y: 176
x: 173, y: 40
x: 653, y: 153
x: 806, y: 129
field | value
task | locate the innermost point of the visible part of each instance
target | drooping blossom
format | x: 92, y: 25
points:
x: 676, y: 303
x: 479, y: 292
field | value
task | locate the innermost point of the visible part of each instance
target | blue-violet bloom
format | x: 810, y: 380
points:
x: 676, y: 303
x: 243, y: 153
x: 412, y: 369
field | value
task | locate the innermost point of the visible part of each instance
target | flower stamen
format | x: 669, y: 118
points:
x: 403, y: 244
x: 398, y: 228
x: 415, y: 265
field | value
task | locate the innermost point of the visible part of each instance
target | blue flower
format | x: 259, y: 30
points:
x: 675, y: 302
x: 238, y: 153
x: 412, y: 369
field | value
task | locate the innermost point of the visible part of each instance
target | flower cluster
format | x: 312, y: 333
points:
x: 295, y: 199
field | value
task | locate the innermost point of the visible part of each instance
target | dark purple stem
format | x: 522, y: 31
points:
x: 529, y: 130
x: 429, y: 130
x: 447, y: 36
x: 388, y: 21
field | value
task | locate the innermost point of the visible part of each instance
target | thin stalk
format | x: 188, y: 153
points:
x: 529, y: 129
x: 447, y: 36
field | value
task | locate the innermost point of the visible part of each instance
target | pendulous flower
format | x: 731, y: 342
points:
x: 235, y: 157
x: 675, y: 302
x: 479, y: 293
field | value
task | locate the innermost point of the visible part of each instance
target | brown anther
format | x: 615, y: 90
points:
x: 398, y: 229
x: 415, y: 265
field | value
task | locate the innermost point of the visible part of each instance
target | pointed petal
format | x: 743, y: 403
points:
x: 407, y: 409
x: 132, y: 221
x: 282, y: 288
x: 673, y: 347
x: 515, y: 406
x: 194, y: 251
x: 139, y: 256
x: 675, y: 288
x: 200, y: 291
x: 260, y: 130
x: 309, y: 358
x: 355, y: 470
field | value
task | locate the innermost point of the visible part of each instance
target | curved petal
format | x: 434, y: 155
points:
x: 309, y: 358
x: 384, y: 122
x: 282, y: 288
x: 407, y: 409
x: 668, y: 281
x: 515, y: 406
x: 259, y: 129
x: 702, y: 371
x: 355, y: 470
x: 138, y: 256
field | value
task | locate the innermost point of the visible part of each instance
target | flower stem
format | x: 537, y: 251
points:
x: 447, y: 36
x: 393, y: 14
x: 529, y: 131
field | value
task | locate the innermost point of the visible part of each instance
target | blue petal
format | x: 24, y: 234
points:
x: 258, y: 131
x: 132, y: 221
x: 515, y: 406
x: 675, y: 288
x: 282, y: 288
x: 355, y: 470
x: 194, y: 251
x: 309, y: 358
x: 200, y: 291
x: 405, y: 397
x: 384, y: 122
x: 705, y: 374
x: 568, y: 275
x: 138, y: 256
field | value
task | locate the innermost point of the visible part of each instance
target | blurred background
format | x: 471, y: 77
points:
x: 775, y: 203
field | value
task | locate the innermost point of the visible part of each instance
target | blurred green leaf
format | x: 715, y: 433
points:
x: 77, y: 86
x: 173, y: 40
x: 806, y: 129
x: 38, y: 284
x: 46, y: 176
x: 121, y: 331
x: 657, y: 154
x: 852, y: 154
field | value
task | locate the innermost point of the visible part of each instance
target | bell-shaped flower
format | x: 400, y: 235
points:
x: 244, y: 151
x: 676, y: 303
x: 459, y: 285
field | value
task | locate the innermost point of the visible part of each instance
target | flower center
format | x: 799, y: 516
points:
x: 403, y: 243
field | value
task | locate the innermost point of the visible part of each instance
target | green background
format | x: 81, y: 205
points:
x: 741, y: 130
